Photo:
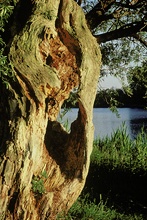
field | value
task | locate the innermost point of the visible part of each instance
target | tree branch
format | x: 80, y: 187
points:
x: 125, y: 31
x: 97, y: 14
x: 139, y: 38
x: 134, y: 4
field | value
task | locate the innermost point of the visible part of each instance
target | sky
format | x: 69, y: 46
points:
x: 109, y: 82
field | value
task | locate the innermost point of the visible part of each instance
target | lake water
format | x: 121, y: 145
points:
x: 105, y: 122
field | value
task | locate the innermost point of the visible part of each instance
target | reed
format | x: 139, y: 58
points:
x: 120, y: 152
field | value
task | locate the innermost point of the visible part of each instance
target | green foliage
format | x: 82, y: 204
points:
x: 6, y: 74
x: 120, y: 53
x: 72, y: 100
x: 38, y: 183
x: 44, y: 174
x: 108, y: 98
x: 116, y: 54
x: 5, y: 69
x: 134, y: 95
x: 83, y: 209
x: 5, y: 11
x: 120, y: 152
x: 137, y: 78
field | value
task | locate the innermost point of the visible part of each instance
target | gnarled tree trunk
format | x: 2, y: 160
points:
x: 43, y: 168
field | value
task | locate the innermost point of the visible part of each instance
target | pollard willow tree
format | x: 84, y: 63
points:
x: 52, y: 46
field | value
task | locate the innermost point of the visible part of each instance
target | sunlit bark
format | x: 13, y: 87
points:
x: 43, y: 168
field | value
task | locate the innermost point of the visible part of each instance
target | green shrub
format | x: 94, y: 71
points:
x: 6, y: 10
x: 38, y: 183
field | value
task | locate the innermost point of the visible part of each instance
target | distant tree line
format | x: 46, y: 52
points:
x: 117, y: 97
x: 136, y: 97
x: 111, y: 98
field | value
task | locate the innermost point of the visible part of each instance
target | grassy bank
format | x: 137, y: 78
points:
x: 83, y: 209
x: 120, y: 152
x: 116, y: 186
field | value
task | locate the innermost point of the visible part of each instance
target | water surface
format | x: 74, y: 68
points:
x: 105, y: 122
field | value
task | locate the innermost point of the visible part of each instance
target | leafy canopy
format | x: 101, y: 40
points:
x: 118, y: 25
x: 6, y: 9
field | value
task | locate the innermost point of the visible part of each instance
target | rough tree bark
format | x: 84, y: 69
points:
x: 43, y: 168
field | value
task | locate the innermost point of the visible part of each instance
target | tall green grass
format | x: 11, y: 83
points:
x: 115, y: 152
x: 83, y: 209
x: 119, y: 151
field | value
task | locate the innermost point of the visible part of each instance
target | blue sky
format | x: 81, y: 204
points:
x: 110, y: 82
